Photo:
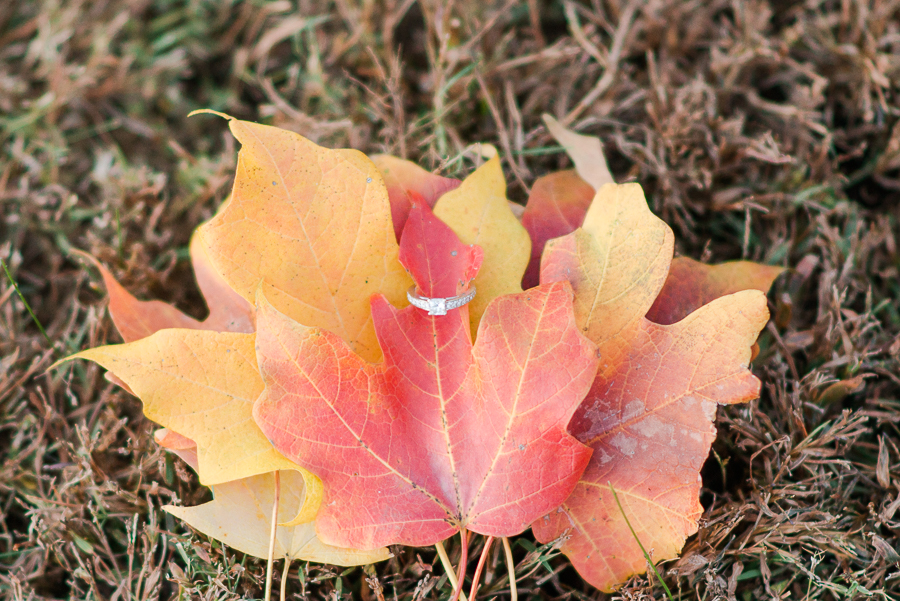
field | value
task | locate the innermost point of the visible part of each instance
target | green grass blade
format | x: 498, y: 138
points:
x: 643, y: 550
x: 25, y: 302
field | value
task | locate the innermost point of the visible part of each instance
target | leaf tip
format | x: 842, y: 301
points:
x: 313, y: 493
x: 59, y: 363
x: 85, y: 354
x: 210, y: 112
x: 756, y: 301
x: 83, y: 255
x: 484, y: 150
x: 174, y: 510
x: 549, y: 120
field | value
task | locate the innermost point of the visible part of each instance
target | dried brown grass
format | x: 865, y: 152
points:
x: 761, y: 130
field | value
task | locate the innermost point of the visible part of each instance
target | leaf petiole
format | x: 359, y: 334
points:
x: 448, y: 567
x: 271, y: 562
x: 463, y: 562
x: 480, y: 567
x: 513, y: 589
x: 284, y: 577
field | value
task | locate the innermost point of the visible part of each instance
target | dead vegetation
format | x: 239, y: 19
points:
x: 762, y: 130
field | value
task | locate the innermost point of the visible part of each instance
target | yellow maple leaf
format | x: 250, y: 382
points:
x: 202, y: 385
x: 311, y: 227
x: 478, y: 212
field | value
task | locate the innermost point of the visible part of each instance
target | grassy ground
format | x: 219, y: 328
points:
x: 763, y: 130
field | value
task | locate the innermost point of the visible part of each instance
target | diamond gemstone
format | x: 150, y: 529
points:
x: 437, y: 306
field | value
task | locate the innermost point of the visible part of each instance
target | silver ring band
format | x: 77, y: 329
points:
x: 439, y: 306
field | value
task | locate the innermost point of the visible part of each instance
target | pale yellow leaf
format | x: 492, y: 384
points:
x: 585, y: 151
x: 240, y: 516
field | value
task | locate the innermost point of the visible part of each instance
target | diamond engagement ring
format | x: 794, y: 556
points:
x: 439, y: 306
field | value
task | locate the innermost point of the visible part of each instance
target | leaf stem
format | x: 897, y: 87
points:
x: 463, y: 561
x: 271, y: 562
x: 284, y: 577
x: 644, y: 551
x: 511, y: 567
x: 480, y: 567
x: 448, y: 567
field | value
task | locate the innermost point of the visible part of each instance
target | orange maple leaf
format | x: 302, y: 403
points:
x: 559, y: 201
x: 556, y: 207
x: 136, y: 319
x: 320, y: 241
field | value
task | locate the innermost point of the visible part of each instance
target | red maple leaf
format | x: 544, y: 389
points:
x: 442, y: 435
x: 407, y: 183
x: 556, y: 207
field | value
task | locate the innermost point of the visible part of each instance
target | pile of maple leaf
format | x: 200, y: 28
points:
x: 575, y: 395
